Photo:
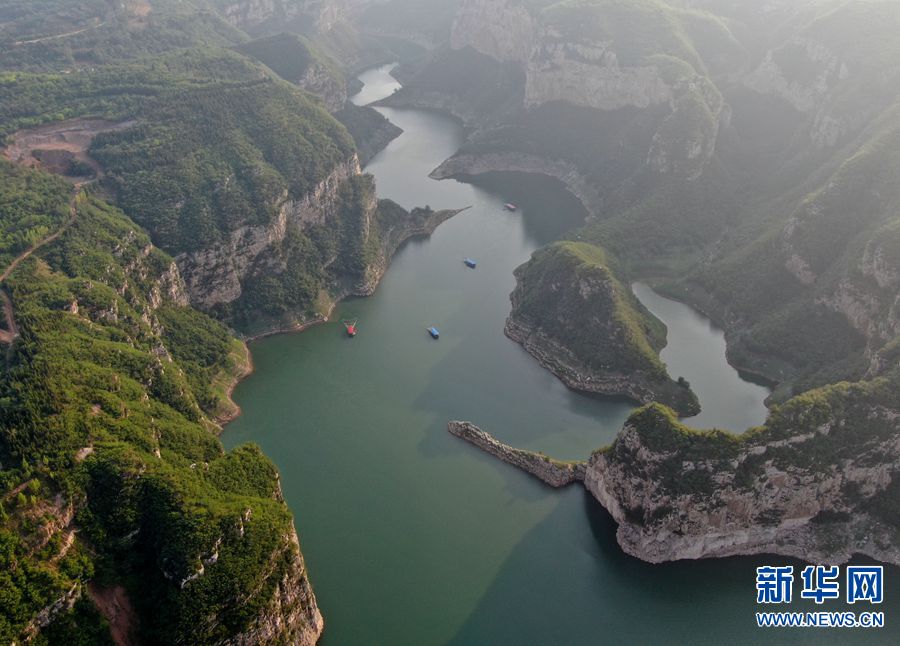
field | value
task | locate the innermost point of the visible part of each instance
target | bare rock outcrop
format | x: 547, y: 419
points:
x: 320, y: 81
x: 292, y: 615
x: 679, y: 494
x: 818, y: 482
x: 589, y: 75
x: 214, y: 275
x: 502, y: 29
x: 561, y: 65
x: 321, y: 15
x: 552, y: 472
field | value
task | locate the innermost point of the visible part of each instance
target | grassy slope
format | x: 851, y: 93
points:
x: 549, y: 295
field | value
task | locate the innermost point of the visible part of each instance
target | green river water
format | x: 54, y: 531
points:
x: 412, y: 536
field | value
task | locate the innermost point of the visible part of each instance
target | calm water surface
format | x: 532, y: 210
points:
x: 414, y: 537
x: 696, y: 351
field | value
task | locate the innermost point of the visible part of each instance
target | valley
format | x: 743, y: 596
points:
x: 598, y: 300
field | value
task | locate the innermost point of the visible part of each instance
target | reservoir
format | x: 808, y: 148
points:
x: 412, y: 536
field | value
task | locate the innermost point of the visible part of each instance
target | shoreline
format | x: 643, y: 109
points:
x: 755, y: 375
x: 246, y: 370
x: 290, y: 329
x: 752, y: 374
x: 582, y: 380
x: 554, y: 473
x: 249, y: 368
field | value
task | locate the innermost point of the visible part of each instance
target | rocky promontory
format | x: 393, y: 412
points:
x: 395, y: 225
x: 572, y: 314
x: 819, y: 482
x: 550, y: 471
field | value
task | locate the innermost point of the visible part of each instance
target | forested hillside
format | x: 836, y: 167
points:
x: 570, y: 311
x: 234, y: 170
x: 111, y: 473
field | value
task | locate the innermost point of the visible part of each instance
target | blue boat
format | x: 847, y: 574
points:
x: 433, y: 331
x: 470, y: 263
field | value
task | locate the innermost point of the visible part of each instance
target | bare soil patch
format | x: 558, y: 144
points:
x: 114, y: 605
x: 61, y: 147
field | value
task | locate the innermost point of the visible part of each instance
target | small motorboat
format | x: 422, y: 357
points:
x: 509, y: 206
x: 470, y: 263
x: 350, y: 326
x: 434, y: 332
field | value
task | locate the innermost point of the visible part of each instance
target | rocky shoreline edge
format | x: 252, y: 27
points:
x: 552, y: 472
x: 551, y: 356
x: 650, y: 489
x: 463, y: 165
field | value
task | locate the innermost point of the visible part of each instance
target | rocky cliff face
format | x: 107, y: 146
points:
x: 586, y: 71
x: 808, y: 93
x: 215, y: 275
x: 803, y: 93
x: 839, y: 83
x: 589, y: 74
x: 391, y: 226
x: 320, y: 15
x: 320, y: 81
x: 292, y: 615
x: 822, y: 491
x: 502, y: 29
x: 872, y: 313
x: 850, y: 265
x: 679, y: 494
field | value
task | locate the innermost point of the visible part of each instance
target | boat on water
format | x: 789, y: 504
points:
x: 350, y: 326
x: 470, y: 263
x: 434, y: 332
x: 509, y: 206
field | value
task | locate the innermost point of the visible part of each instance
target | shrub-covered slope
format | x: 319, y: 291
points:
x: 244, y: 177
x: 111, y: 472
x: 61, y: 35
x: 571, y: 312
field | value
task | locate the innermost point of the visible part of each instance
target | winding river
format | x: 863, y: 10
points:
x: 415, y: 537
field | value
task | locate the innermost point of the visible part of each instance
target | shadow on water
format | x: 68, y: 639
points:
x: 550, y: 211
x: 590, y: 592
